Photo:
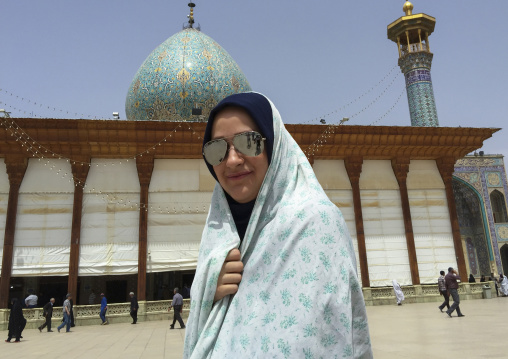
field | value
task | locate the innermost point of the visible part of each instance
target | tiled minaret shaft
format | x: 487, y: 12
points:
x: 411, y: 33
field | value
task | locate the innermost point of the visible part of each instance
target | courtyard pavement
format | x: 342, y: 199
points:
x: 407, y: 331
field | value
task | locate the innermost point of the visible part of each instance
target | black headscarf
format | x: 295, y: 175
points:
x: 260, y: 110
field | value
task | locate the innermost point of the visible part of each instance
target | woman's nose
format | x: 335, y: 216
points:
x: 234, y: 158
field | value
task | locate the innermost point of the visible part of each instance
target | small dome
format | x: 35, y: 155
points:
x: 188, y: 73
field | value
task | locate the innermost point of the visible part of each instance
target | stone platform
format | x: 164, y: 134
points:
x: 408, y: 331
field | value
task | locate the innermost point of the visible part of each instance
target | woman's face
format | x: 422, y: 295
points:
x: 239, y: 175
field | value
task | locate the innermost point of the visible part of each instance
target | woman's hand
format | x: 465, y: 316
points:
x: 230, y: 275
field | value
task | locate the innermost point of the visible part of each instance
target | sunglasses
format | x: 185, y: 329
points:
x: 249, y: 144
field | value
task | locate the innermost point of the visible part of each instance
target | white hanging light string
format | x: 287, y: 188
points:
x: 314, y: 147
x: 40, y: 105
x: 41, y: 151
x: 38, y: 151
x: 340, y: 109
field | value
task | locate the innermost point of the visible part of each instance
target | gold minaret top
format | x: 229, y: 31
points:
x: 408, y: 8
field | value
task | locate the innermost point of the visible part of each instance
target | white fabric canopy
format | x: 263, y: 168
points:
x: 110, y: 231
x: 44, y: 219
x: 431, y: 220
x: 383, y: 221
x: 183, y: 188
x: 333, y: 177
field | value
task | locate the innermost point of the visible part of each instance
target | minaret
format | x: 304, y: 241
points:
x: 411, y: 33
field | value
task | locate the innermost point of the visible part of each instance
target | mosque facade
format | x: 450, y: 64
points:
x: 118, y: 206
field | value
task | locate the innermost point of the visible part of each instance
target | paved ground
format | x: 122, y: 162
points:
x: 407, y: 331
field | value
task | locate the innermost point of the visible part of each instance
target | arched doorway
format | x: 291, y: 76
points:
x: 472, y: 226
x: 504, y: 258
x: 498, y: 207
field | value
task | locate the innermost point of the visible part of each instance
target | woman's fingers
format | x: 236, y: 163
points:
x: 233, y: 267
x: 233, y: 255
x: 224, y: 290
x: 230, y: 275
x: 233, y: 278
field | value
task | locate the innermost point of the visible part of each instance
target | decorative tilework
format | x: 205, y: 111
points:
x: 502, y: 232
x: 188, y: 70
x: 471, y: 256
x: 464, y: 168
x: 494, y: 179
x: 420, y: 94
x: 478, y: 162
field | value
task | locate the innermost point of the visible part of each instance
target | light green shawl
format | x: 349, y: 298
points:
x: 299, y: 296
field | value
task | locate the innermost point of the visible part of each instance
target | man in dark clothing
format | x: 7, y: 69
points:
x: 443, y: 291
x: 452, y: 286
x: 48, y: 313
x: 177, y: 305
x: 134, y: 308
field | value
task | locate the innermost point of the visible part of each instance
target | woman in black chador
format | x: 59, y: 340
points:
x: 16, y: 321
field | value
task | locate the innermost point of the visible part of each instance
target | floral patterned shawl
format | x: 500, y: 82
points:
x: 299, y: 296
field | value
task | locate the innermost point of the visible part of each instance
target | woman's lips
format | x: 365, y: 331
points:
x: 238, y: 176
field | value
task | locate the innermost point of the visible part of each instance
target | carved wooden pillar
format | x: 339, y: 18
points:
x: 79, y: 172
x: 354, y: 169
x: 145, y: 168
x: 16, y: 167
x: 401, y: 168
x: 446, y: 169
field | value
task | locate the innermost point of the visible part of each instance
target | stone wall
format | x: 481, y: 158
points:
x: 158, y: 310
x: 423, y: 293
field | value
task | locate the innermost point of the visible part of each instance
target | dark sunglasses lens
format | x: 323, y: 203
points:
x: 215, y: 151
x: 250, y: 143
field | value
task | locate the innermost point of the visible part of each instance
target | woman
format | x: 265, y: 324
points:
x: 503, y: 285
x: 399, y: 295
x: 471, y: 278
x: 482, y: 279
x: 298, y: 292
x: 16, y: 321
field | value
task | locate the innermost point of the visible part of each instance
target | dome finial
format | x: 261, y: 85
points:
x: 191, y: 16
x: 408, y: 8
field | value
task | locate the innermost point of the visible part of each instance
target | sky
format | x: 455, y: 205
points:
x: 314, y: 59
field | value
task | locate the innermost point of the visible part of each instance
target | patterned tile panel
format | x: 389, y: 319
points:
x: 502, y: 232
x: 420, y: 94
x: 188, y: 70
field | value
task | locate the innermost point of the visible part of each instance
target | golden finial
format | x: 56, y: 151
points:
x: 191, y: 16
x: 407, y: 8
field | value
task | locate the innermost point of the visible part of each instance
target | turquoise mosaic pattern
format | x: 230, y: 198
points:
x: 420, y: 95
x: 187, y: 70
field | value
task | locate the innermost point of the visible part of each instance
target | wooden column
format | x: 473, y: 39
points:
x: 401, y: 168
x: 16, y: 167
x: 354, y: 169
x: 79, y: 172
x: 145, y: 168
x: 446, y: 168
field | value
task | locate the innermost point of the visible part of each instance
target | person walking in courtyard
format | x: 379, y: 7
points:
x: 452, y: 286
x: 503, y: 284
x: 177, y: 304
x: 66, y: 314
x: 104, y: 309
x: 16, y: 321
x: 134, y: 308
x: 443, y: 291
x: 47, y: 313
x: 399, y: 295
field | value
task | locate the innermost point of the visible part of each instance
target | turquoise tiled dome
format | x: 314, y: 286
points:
x: 188, y: 70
